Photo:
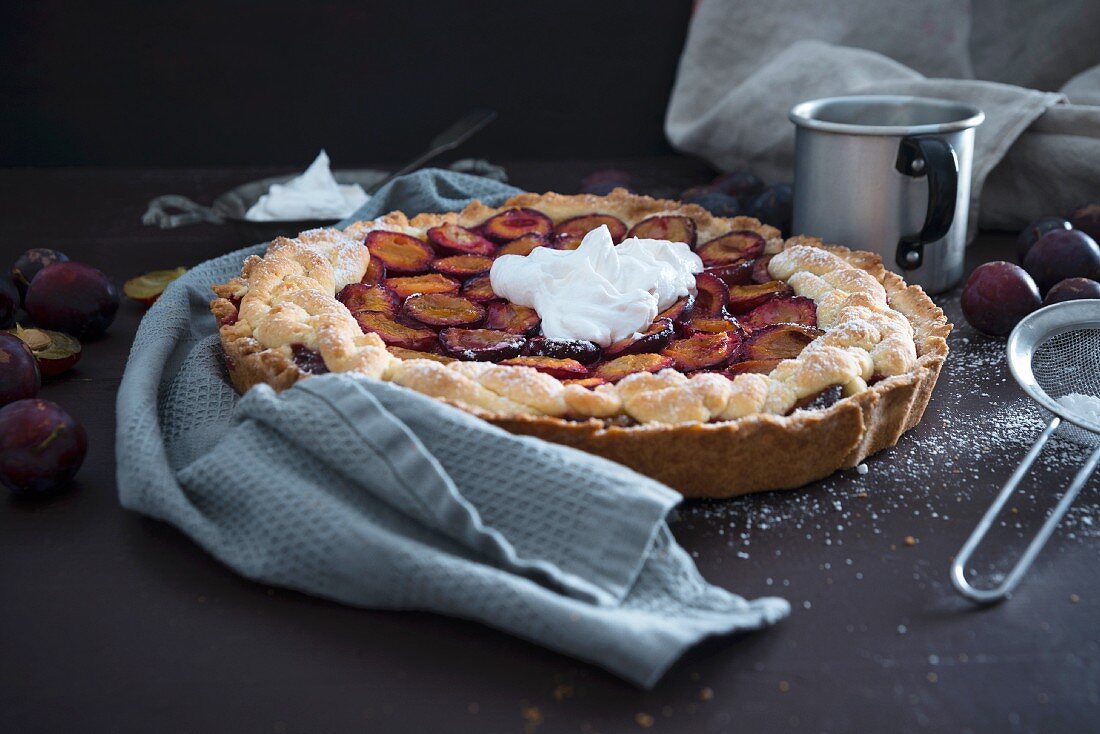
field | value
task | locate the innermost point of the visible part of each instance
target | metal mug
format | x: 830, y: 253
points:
x: 889, y: 174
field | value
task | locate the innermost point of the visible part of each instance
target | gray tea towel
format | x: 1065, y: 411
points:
x: 369, y: 494
x: 747, y: 63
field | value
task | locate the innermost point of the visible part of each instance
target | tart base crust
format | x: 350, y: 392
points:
x: 704, y: 460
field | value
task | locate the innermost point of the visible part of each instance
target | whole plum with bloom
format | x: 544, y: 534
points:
x: 41, y: 446
x: 30, y: 263
x: 740, y: 184
x: 997, y: 295
x: 1072, y: 289
x: 715, y: 202
x: 1062, y: 254
x: 20, y: 376
x: 775, y: 206
x: 1030, y: 234
x: 74, y: 298
x: 603, y: 181
x: 9, y: 302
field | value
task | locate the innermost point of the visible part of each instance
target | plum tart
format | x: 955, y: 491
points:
x: 780, y: 362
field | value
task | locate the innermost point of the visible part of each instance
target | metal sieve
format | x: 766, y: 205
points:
x: 1053, y: 353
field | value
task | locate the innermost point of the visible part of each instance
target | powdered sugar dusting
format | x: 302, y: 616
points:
x: 977, y: 427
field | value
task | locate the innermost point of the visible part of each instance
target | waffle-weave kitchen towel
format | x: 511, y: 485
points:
x: 369, y: 494
x: 746, y: 63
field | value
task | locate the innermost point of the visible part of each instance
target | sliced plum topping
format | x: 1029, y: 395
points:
x: 820, y: 400
x: 443, y: 309
x: 463, y: 266
x: 679, y: 312
x: 583, y: 351
x: 394, y: 333
x: 714, y: 325
x: 559, y: 368
x: 402, y: 353
x: 653, y: 338
x: 481, y: 345
x: 755, y: 366
x: 744, y: 298
x: 377, y: 298
x: 734, y: 274
x: 741, y: 244
x: 523, y: 245
x: 628, y: 364
x: 515, y: 223
x: 376, y: 272
x: 782, y: 310
x: 589, y: 382
x: 452, y: 238
x: 580, y: 226
x: 702, y: 350
x: 399, y: 252
x: 760, y: 272
x: 566, y: 241
x: 672, y: 228
x: 479, y: 288
x: 712, y: 295
x: 511, y: 317
x: 308, y: 360
x: 779, y: 341
x: 432, y: 283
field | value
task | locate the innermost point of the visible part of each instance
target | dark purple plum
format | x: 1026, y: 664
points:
x: 1072, y: 289
x: 41, y: 446
x: 653, y: 338
x: 997, y: 295
x: 9, y: 303
x: 601, y: 182
x: 20, y: 376
x: 1087, y: 219
x: 774, y: 206
x: 74, y: 298
x: 308, y: 360
x: 740, y: 184
x: 1062, y: 254
x: 583, y: 351
x: 718, y: 204
x: 1030, y: 234
x: 30, y: 262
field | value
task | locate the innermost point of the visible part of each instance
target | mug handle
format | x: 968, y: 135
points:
x: 920, y: 156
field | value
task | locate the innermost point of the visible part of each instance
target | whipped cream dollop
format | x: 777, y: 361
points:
x: 600, y: 292
x: 313, y: 195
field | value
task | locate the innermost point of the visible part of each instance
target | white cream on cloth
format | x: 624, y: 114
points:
x: 600, y: 292
x: 313, y: 195
x: 745, y: 64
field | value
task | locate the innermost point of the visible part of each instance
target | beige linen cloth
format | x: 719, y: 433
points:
x: 1033, y: 67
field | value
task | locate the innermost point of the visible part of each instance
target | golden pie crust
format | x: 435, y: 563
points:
x: 704, y: 435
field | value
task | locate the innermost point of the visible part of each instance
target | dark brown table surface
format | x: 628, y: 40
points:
x: 113, y: 622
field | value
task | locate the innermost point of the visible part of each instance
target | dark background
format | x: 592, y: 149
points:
x: 208, y: 82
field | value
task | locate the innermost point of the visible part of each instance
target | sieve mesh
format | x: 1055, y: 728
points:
x: 1069, y: 363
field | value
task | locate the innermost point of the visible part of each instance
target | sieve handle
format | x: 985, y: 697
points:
x: 1006, y: 587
